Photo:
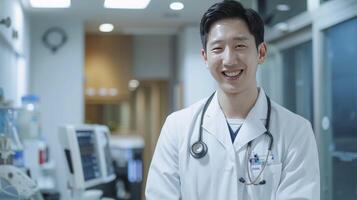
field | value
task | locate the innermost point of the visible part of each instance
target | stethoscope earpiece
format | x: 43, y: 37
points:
x: 242, y: 180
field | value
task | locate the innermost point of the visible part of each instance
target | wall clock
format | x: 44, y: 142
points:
x: 54, y: 38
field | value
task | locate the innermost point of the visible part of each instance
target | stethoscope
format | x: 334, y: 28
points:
x: 199, y: 148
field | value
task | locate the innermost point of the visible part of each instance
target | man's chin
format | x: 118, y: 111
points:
x: 231, y: 90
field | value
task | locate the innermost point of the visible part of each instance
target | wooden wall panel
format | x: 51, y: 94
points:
x: 108, y: 63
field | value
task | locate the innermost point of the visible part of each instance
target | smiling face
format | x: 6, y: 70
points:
x: 232, y: 56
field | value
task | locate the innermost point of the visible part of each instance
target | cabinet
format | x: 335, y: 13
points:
x: 108, y: 61
x: 14, y: 36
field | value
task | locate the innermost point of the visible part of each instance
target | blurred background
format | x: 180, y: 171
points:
x: 89, y: 62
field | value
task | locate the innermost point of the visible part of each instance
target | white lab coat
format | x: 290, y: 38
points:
x: 292, y: 172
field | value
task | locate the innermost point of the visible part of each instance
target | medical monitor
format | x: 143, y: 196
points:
x: 105, y: 157
x: 84, y: 148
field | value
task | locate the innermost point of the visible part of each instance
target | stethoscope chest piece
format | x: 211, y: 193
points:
x: 199, y: 149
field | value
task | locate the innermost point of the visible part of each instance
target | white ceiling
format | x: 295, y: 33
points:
x: 157, y: 18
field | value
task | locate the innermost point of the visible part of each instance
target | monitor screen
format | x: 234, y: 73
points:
x: 88, y: 154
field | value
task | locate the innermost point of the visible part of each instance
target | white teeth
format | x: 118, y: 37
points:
x: 232, y: 74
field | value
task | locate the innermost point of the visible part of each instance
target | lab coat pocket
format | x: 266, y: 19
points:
x: 271, y: 175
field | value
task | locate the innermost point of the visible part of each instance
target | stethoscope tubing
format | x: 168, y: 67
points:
x: 199, y: 149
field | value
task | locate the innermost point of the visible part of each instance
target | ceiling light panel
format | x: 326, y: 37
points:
x: 50, y: 3
x: 126, y: 4
x: 106, y: 27
x: 176, y: 6
x: 283, y: 7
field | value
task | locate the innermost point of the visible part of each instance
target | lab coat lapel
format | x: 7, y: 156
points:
x: 254, y: 124
x: 215, y: 123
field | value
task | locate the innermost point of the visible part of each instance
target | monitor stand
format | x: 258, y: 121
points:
x: 87, y: 194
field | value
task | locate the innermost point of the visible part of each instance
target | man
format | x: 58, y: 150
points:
x: 236, y: 144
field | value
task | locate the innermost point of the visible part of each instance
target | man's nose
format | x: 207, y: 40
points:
x: 229, y: 58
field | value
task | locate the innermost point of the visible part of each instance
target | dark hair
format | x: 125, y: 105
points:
x: 232, y: 9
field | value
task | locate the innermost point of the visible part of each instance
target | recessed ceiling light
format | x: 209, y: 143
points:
x: 50, y: 3
x: 126, y: 4
x: 282, y: 26
x: 106, y: 27
x: 283, y: 7
x: 133, y: 84
x: 176, y: 6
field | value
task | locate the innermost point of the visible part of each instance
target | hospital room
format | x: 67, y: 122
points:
x: 178, y: 99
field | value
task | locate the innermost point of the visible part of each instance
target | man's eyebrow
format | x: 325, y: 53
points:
x: 215, y: 42
x: 238, y: 38
x: 241, y: 38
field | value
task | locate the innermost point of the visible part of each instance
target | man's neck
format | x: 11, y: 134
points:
x: 237, y: 105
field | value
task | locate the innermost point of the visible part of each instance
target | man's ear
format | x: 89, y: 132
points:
x: 204, y: 55
x: 262, y: 52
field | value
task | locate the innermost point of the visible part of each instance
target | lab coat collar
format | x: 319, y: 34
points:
x: 214, y: 121
x: 253, y: 126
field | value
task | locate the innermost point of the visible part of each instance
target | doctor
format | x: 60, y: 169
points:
x: 236, y: 144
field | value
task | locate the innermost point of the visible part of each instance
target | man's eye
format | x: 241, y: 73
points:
x: 240, y: 46
x: 216, y: 49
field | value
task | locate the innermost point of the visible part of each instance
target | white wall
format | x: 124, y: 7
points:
x: 14, y: 53
x: 58, y: 80
x: 8, y: 71
x: 196, y: 79
x: 152, y: 57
